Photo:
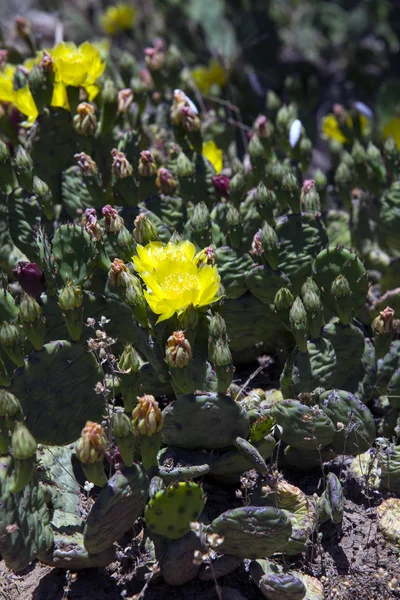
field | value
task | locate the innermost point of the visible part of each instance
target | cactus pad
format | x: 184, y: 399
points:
x: 252, y: 531
x: 170, y: 511
x: 117, y: 507
x: 24, y: 520
x: 264, y: 283
x: 56, y: 382
x: 304, y: 427
x: 209, y: 421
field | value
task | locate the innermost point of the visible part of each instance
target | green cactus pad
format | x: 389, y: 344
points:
x: 303, y: 460
x: 305, y: 371
x: 68, y: 552
x: 117, y: 507
x: 252, y: 531
x: 232, y: 267
x: 301, y: 238
x: 387, y: 366
x: 330, y: 505
x: 170, y: 511
x: 76, y: 197
x: 228, y: 466
x: 394, y: 389
x: 24, y: 520
x: 176, y: 562
x: 355, y: 429
x: 338, y: 261
x: 56, y: 474
x: 264, y: 283
x: 55, y: 383
x: 8, y: 308
x: 389, y: 464
x: 175, y: 464
x: 355, y: 358
x: 208, y: 421
x: 338, y: 228
x: 74, y: 253
x: 304, y: 427
x: 282, y: 586
x: 24, y: 214
x: 314, y: 588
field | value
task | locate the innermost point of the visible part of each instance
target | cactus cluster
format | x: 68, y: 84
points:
x: 146, y: 256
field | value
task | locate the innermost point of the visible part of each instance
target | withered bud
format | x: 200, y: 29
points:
x: 92, y: 444
x: 92, y: 226
x: 86, y: 164
x: 155, y: 57
x: 205, y: 257
x: 125, y: 99
x: 384, y: 322
x: 188, y: 119
x: 46, y: 63
x: 178, y: 352
x: 146, y: 79
x: 113, y: 223
x: 147, y: 164
x: 262, y: 127
x: 165, y: 181
x: 147, y: 417
x: 85, y: 122
x: 116, y: 274
x: 3, y: 58
x: 121, y: 167
x: 256, y: 245
x: 23, y: 27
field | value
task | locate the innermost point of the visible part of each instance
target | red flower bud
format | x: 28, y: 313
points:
x: 30, y: 278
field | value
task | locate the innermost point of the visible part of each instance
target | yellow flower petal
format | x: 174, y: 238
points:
x: 77, y: 66
x: 7, y: 83
x: 206, y: 77
x: 214, y: 155
x: 25, y: 103
x: 60, y: 97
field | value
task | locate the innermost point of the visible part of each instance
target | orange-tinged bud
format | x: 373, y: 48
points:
x: 147, y: 416
x: 178, y: 353
x: 92, y: 444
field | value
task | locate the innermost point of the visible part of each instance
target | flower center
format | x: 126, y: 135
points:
x: 178, y: 283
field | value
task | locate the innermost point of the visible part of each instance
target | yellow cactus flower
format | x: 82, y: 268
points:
x: 173, y: 279
x: 214, y: 155
x: 392, y: 129
x: 7, y: 83
x: 77, y: 65
x: 117, y: 18
x: 331, y: 127
x: 25, y: 103
x: 205, y: 77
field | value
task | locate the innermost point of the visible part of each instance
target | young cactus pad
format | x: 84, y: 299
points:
x: 171, y: 511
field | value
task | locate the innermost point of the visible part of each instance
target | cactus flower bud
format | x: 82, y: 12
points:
x: 24, y: 168
x: 312, y: 304
x: 270, y: 245
x: 237, y: 188
x: 23, y: 448
x: 221, y: 185
x: 86, y: 164
x: 384, y: 329
x: 70, y: 297
x: 30, y: 314
x: 305, y: 151
x: 309, y: 197
x: 113, y: 223
x: 283, y: 300
x: 46, y: 64
x: 29, y: 309
x: 85, y: 122
x: 147, y: 164
x: 125, y: 99
x: 257, y: 154
x: 165, y: 182
x: 11, y: 341
x: 44, y: 197
x: 92, y: 444
x: 290, y: 191
x: 273, y: 102
x: 129, y: 373
x: 265, y: 201
x: 23, y: 444
x: 123, y: 432
x: 121, y: 167
x: 91, y: 224
x: 144, y: 230
x: 184, y: 166
x: 178, y: 352
x: 116, y: 274
x: 299, y: 324
x: 10, y: 410
x: 263, y: 128
x: 155, y: 57
x: 147, y: 416
x: 341, y: 291
x: 30, y: 278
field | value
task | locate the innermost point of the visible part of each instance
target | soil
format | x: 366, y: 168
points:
x: 353, y: 560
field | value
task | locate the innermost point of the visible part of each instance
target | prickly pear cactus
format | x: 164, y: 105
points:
x: 170, y: 511
x: 56, y: 382
x: 117, y: 507
x: 25, y: 530
x: 304, y: 427
x: 252, y: 531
